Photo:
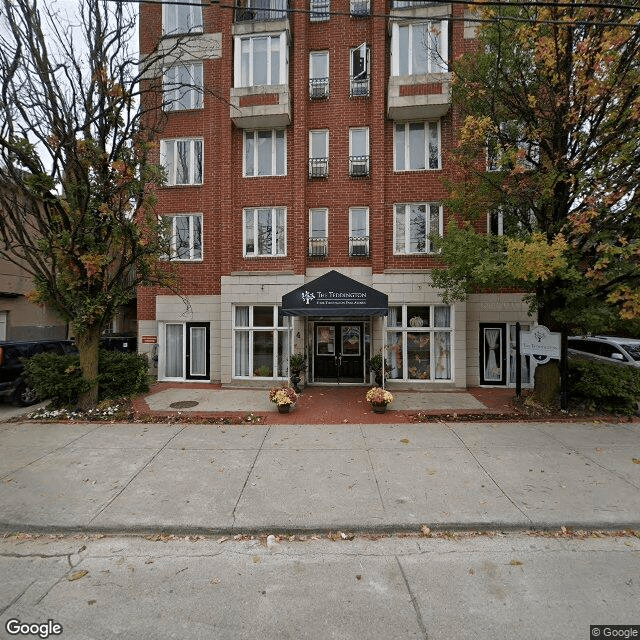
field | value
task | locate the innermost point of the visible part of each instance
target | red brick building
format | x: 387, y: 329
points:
x: 304, y: 138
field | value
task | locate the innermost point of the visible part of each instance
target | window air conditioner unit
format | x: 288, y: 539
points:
x: 319, y: 92
x: 359, y: 169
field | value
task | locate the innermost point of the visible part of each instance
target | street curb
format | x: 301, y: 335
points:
x: 7, y: 529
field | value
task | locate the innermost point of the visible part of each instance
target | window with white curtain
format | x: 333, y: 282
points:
x: 413, y: 223
x: 260, y: 60
x: 265, y: 231
x: 419, y: 342
x: 265, y: 153
x: 261, y: 340
x: 417, y: 146
x: 182, y: 18
x: 419, y: 48
x: 183, y: 86
x: 182, y: 161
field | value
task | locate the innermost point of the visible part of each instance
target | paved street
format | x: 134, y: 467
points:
x: 490, y: 588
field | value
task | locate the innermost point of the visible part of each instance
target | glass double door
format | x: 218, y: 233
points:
x: 187, y: 351
x: 339, y: 352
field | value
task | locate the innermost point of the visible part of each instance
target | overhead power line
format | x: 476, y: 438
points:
x: 475, y: 19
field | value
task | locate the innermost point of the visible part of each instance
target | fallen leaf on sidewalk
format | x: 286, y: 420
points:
x: 635, y: 460
x: 516, y: 563
x: 76, y: 575
x: 405, y: 440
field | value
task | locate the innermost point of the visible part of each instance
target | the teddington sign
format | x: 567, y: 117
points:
x: 334, y: 294
x: 540, y: 343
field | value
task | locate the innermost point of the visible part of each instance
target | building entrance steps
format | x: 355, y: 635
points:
x: 319, y: 404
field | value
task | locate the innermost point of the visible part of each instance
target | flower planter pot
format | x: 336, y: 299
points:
x: 284, y: 408
x: 379, y: 408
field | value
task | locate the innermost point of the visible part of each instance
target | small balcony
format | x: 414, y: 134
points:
x: 360, y: 8
x: 359, y: 87
x: 359, y: 246
x: 319, y: 88
x: 319, y: 10
x: 359, y: 166
x: 318, y: 247
x: 419, y: 97
x: 261, y: 107
x: 261, y: 10
x: 318, y: 168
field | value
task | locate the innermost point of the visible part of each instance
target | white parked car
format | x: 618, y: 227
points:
x: 623, y: 351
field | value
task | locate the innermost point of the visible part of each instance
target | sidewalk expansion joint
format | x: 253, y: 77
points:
x: 135, y: 475
x: 246, y: 480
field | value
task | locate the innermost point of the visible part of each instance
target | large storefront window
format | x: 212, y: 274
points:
x: 261, y: 342
x: 419, y: 342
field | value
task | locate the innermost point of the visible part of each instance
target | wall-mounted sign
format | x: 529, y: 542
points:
x: 540, y: 343
x: 149, y: 339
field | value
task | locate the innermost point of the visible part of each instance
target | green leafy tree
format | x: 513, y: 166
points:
x: 550, y: 143
x: 77, y: 185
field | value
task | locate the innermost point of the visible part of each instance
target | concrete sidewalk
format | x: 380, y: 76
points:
x: 286, y: 478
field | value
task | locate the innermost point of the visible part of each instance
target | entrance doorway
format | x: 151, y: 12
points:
x: 498, y: 363
x: 339, y: 352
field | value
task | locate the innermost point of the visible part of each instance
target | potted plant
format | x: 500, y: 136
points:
x: 283, y: 397
x: 375, y: 364
x: 379, y: 398
x: 297, y: 365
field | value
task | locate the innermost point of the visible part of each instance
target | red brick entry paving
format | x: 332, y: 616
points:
x: 335, y: 405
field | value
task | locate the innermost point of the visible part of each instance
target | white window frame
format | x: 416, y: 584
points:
x: 254, y: 134
x: 512, y: 132
x: 352, y: 131
x: 352, y: 234
x: 498, y: 216
x: 182, y: 94
x: 406, y: 326
x: 429, y: 224
x: 174, y: 14
x: 429, y: 126
x: 435, y: 63
x: 195, y: 226
x: 250, y: 329
x: 318, y: 90
x: 313, y: 133
x: 283, y: 49
x: 275, y: 212
x: 322, y: 213
x: 365, y: 74
x: 168, y: 155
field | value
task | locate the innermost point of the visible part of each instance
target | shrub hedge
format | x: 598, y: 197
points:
x: 59, y: 378
x: 605, y: 387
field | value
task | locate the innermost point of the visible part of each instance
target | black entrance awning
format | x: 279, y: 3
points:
x: 334, y: 294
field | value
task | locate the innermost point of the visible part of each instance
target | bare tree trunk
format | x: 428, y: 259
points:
x: 547, y: 383
x: 88, y: 344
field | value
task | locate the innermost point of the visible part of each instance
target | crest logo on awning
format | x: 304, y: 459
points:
x: 307, y: 296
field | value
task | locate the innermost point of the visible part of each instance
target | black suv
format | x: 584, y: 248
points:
x: 13, y: 386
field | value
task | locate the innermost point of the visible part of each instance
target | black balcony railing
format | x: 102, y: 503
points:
x: 359, y: 246
x: 318, y: 88
x: 358, y: 166
x: 360, y: 8
x: 318, y: 167
x: 359, y: 87
x: 261, y: 10
x: 319, y: 10
x: 318, y: 247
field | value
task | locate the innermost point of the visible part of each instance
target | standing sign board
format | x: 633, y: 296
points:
x: 540, y: 343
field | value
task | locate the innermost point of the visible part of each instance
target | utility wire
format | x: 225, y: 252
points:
x: 471, y: 19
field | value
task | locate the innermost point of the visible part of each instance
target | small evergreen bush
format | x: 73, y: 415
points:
x: 602, y: 386
x: 59, y: 378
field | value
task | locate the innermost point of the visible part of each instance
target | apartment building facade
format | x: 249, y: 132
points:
x: 305, y: 146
